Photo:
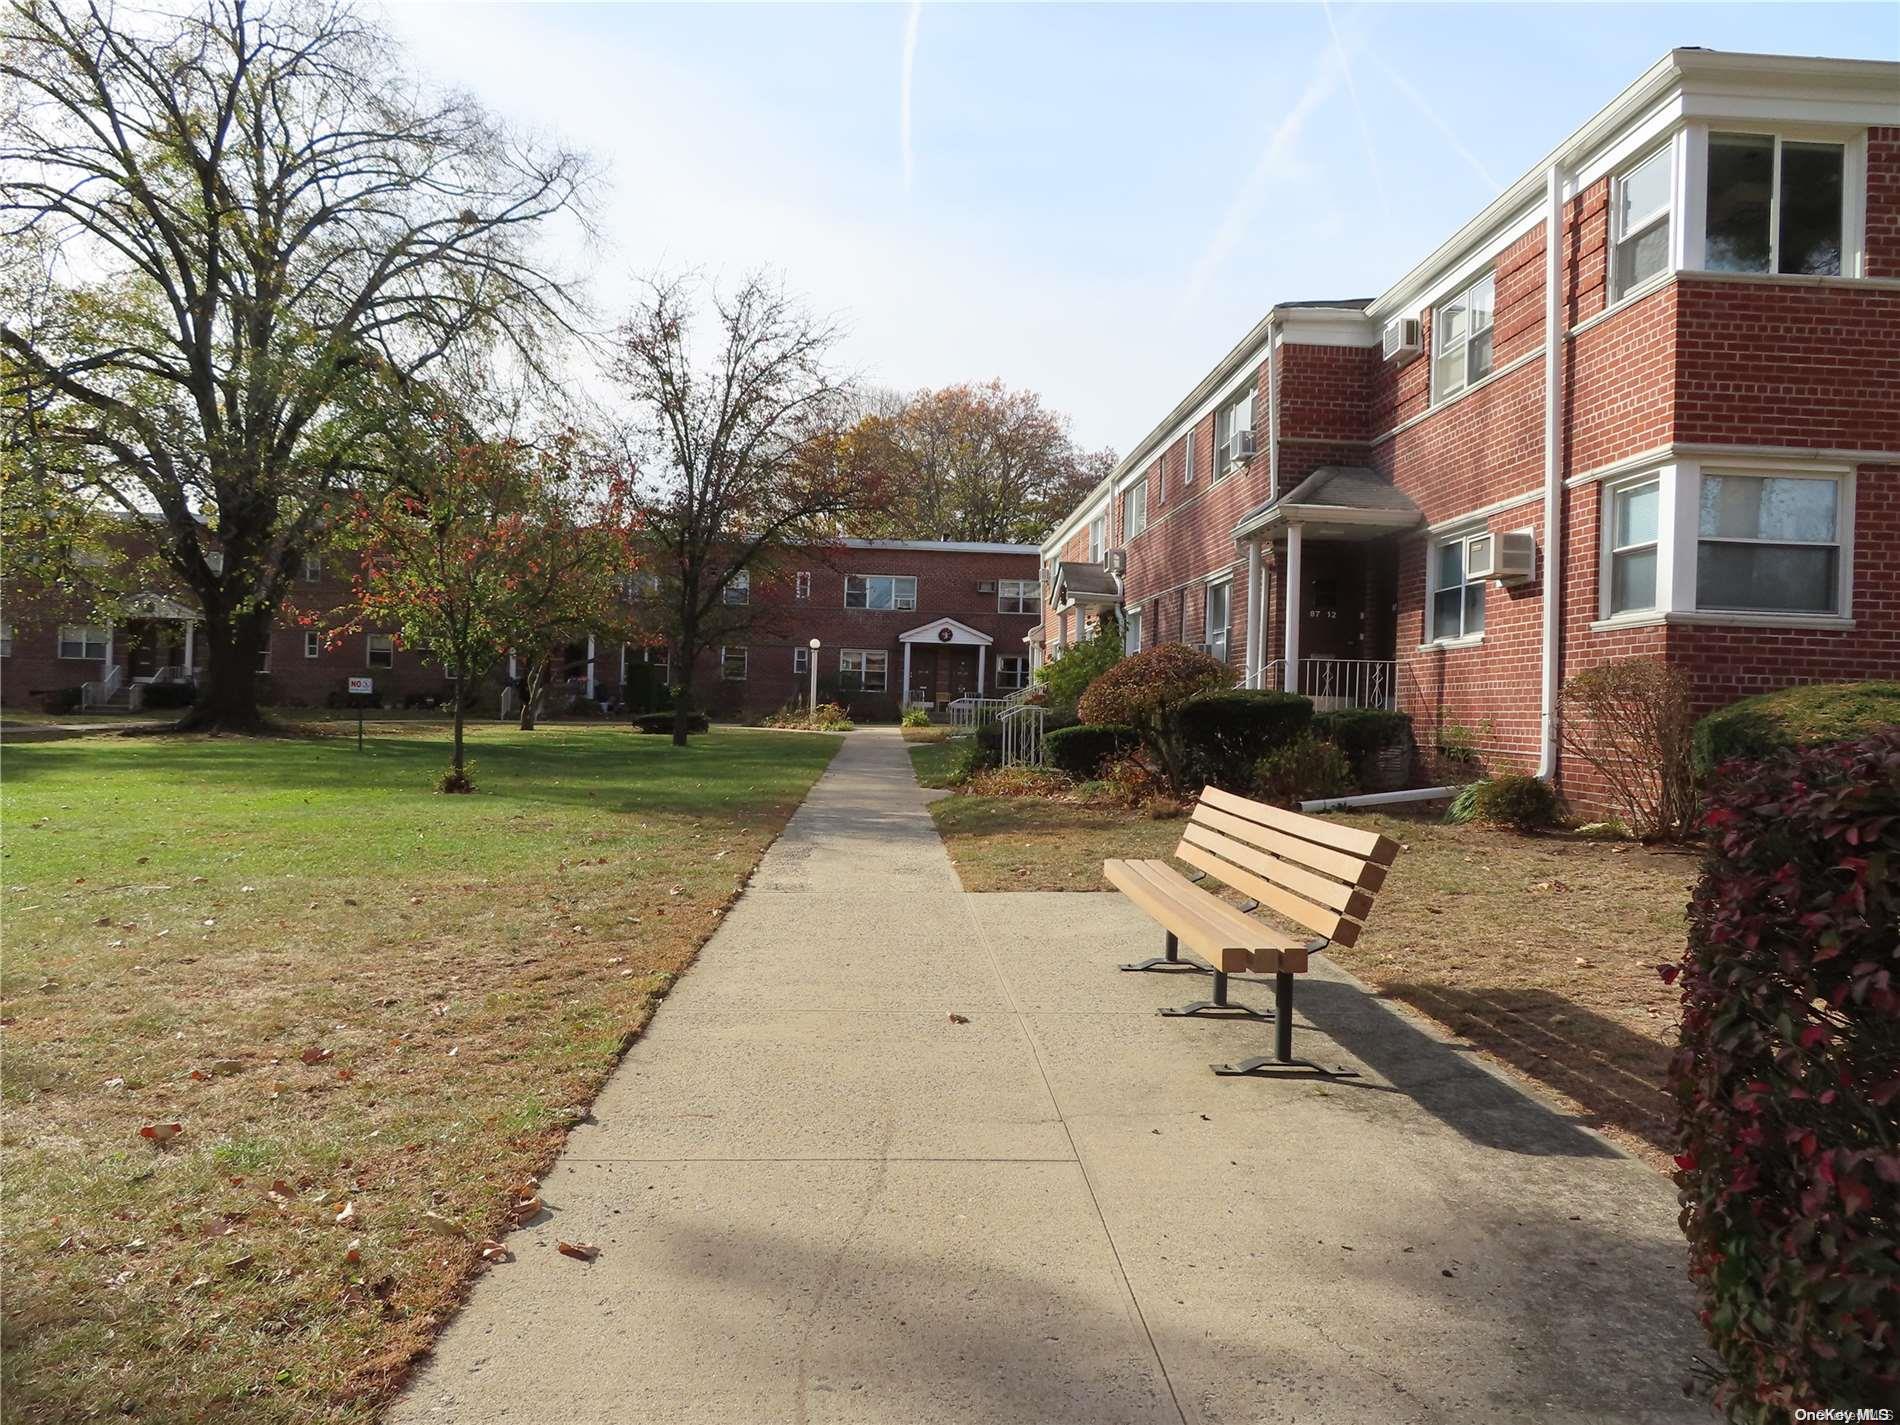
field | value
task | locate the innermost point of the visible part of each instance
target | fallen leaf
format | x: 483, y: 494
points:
x: 240, y: 1264
x: 198, y: 1075
x: 959, y: 1018
x: 579, y: 1251
x: 348, y: 1214
x: 281, y: 1191
x: 161, y: 1133
x: 493, y: 1251
x: 345, y: 1075
x: 353, y: 1254
x: 315, y: 1055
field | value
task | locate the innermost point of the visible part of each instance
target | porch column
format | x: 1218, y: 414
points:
x: 191, y: 626
x: 590, y: 667
x: 105, y: 669
x: 1255, y: 614
x: 623, y: 671
x: 903, y: 697
x: 1291, y: 682
x: 982, y: 652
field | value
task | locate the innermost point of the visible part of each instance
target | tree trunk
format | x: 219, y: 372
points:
x: 455, y: 756
x: 530, y: 690
x: 227, y: 699
x: 683, y: 698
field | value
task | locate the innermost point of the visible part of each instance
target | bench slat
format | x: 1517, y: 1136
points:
x: 1225, y: 936
x: 1347, y: 900
x: 1368, y: 845
x: 1337, y: 864
x: 1316, y: 918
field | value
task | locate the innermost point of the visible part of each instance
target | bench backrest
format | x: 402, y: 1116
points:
x: 1316, y: 873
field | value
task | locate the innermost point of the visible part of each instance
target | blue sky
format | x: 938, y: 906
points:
x: 1095, y: 202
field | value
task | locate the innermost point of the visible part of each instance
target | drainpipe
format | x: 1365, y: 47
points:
x: 1554, y: 340
x: 1273, y: 412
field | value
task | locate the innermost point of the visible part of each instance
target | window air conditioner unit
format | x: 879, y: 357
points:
x: 1403, y: 338
x: 1510, y: 558
x: 987, y: 586
x: 1115, y: 561
x: 1240, y: 447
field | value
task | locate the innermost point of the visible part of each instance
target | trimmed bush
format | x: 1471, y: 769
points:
x: 1807, y: 716
x: 1787, y: 1081
x: 1514, y: 799
x: 826, y: 717
x: 663, y: 722
x: 1148, y: 690
x: 1363, y: 734
x: 915, y: 717
x: 62, y: 700
x: 1306, y: 769
x: 1224, y: 735
x: 1081, y: 750
x: 168, y: 695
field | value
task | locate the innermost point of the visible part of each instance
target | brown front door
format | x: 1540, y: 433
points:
x: 958, y: 672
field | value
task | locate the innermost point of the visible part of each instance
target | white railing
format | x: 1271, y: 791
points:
x: 1334, y: 683
x: 98, y: 694
x: 1020, y: 696
x: 1022, y: 727
x: 968, y: 714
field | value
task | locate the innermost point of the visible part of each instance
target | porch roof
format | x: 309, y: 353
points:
x: 1083, y: 583
x: 934, y: 631
x: 1334, y: 502
x: 160, y: 606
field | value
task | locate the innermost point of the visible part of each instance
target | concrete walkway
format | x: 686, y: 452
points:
x: 819, y: 1199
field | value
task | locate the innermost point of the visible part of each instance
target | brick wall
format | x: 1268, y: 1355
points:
x: 1883, y: 202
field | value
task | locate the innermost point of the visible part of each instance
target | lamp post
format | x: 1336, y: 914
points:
x: 814, y: 675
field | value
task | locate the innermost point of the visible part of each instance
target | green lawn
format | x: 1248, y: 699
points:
x: 934, y: 760
x: 349, y: 991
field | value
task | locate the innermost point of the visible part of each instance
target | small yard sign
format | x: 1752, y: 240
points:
x: 362, y: 685
x: 360, y: 689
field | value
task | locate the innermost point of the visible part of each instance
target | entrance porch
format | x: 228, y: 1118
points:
x: 943, y: 662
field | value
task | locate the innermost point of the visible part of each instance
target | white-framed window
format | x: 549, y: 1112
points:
x: 1187, y: 461
x: 6, y: 640
x: 1135, y: 508
x: 801, y: 661
x: 82, y: 640
x: 1774, y: 205
x: 380, y: 651
x: 1457, y: 603
x: 312, y: 568
x: 864, y: 670
x: 880, y: 591
x: 1012, y: 672
x: 312, y: 644
x: 1229, y: 421
x: 1769, y: 544
x: 1131, y: 631
x: 738, y: 589
x: 801, y: 585
x: 732, y: 664
x: 1632, y: 529
x: 1219, y: 616
x: 1461, y: 338
x: 1640, y: 218
x: 1017, y: 596
x: 1098, y: 538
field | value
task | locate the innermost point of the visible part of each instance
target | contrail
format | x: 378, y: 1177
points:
x: 904, y: 88
x: 1359, y: 111
x: 1424, y: 107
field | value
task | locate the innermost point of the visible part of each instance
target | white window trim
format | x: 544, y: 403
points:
x: 1187, y: 461
x: 1098, y: 538
x: 726, y: 650
x: 1135, y: 508
x: 1025, y: 591
x: 801, y: 662
x: 1225, y: 582
x: 1464, y: 289
x: 883, y: 655
x: 895, y: 606
x: 60, y: 640
x: 312, y: 644
x: 1463, y: 535
x: 1003, y: 658
x: 312, y: 568
x: 1665, y: 554
x: 369, y: 650
x: 1678, y: 540
x: 1619, y: 234
x: 801, y: 585
x: 1227, y: 413
x: 1131, y: 625
x: 6, y: 639
x: 1693, y: 237
x: 738, y: 590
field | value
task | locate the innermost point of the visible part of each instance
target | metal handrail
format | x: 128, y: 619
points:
x: 1023, y: 727
x: 968, y: 714
x: 98, y: 693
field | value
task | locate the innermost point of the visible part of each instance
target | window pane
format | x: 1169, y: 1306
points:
x: 1642, y: 257
x: 1474, y: 608
x: 1633, y: 581
x: 1451, y: 566
x: 1446, y: 604
x: 1741, y: 183
x: 1767, y: 507
x: 1636, y: 510
x: 1451, y: 324
x: 1644, y: 192
x: 1448, y: 372
x: 1478, y: 366
x: 1811, y: 208
x: 1781, y: 577
x: 1483, y: 298
x: 877, y: 593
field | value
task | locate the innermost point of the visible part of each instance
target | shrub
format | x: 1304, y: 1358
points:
x: 1629, y: 721
x: 1064, y: 678
x: 168, y: 695
x: 1362, y: 734
x: 915, y: 717
x: 62, y: 700
x: 457, y: 782
x: 1464, y: 804
x: 1081, y: 750
x: 1513, y: 799
x: 663, y: 722
x: 1806, y: 716
x: 1147, y: 692
x: 1787, y: 1079
x: 826, y: 717
x: 1224, y: 735
x: 1306, y: 769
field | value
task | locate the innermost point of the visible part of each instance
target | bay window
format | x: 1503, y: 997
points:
x: 1769, y: 543
x: 1640, y: 223
x: 1774, y: 205
x: 1457, y: 603
x: 1461, y: 338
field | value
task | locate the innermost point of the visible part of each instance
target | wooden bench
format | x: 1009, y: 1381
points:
x: 1315, y: 873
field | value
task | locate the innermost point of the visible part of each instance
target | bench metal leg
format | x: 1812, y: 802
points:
x: 1219, y: 1006
x: 1282, y: 1043
x: 1171, y: 960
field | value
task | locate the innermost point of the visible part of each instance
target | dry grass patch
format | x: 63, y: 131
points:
x: 1541, y: 950
x: 373, y: 1011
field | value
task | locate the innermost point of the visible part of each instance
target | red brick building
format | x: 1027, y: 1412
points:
x: 1665, y: 362
x: 953, y: 615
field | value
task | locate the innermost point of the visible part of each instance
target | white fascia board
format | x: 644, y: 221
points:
x: 1327, y: 326
x: 943, y: 546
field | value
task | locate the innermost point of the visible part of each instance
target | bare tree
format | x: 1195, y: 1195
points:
x: 243, y: 217
x: 742, y: 460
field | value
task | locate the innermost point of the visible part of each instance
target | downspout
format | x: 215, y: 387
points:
x: 1554, y: 338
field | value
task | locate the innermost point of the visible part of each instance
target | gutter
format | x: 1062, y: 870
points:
x: 1556, y: 340
x: 1381, y: 799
